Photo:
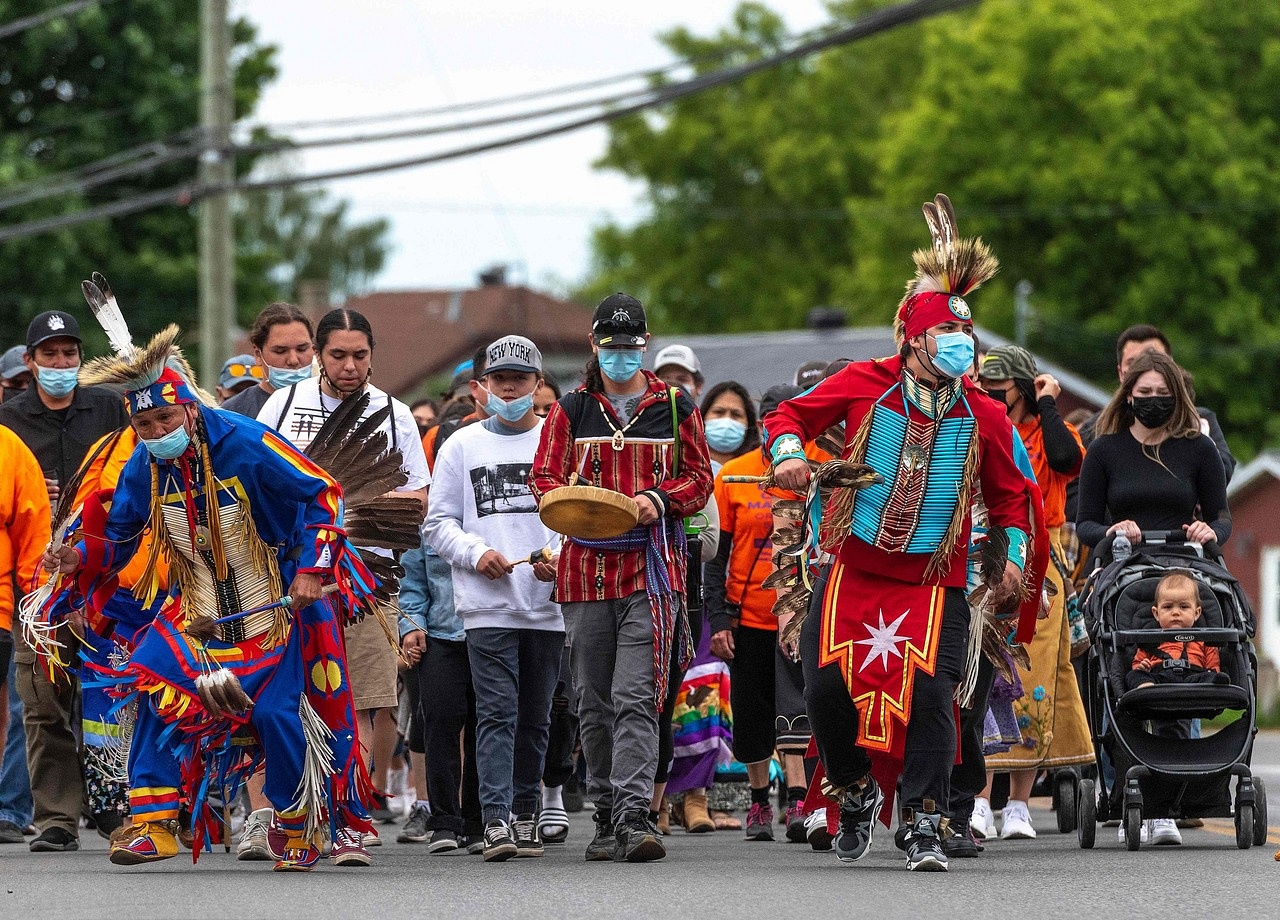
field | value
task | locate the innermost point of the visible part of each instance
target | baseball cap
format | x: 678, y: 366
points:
x: 11, y: 362
x: 619, y: 321
x: 52, y: 324
x: 680, y: 356
x: 238, y: 370
x: 776, y: 395
x: 1008, y: 362
x: 513, y: 353
x: 810, y: 372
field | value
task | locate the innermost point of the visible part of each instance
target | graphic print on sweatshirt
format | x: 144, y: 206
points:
x: 503, y: 488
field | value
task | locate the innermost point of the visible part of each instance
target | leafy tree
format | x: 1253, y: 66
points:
x: 105, y: 80
x: 1121, y: 156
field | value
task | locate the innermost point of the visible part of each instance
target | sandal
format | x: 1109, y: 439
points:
x: 725, y: 821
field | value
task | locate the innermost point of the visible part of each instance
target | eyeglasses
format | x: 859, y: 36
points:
x: 240, y: 370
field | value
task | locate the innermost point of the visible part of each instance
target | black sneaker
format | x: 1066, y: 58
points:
x: 638, y: 840
x: 859, y: 811
x: 498, y: 845
x: 55, y: 840
x: 442, y: 840
x: 600, y: 849
x: 10, y: 833
x: 473, y: 844
x: 924, y: 840
x: 381, y: 813
x: 528, y: 843
x: 962, y: 844
x: 415, y: 829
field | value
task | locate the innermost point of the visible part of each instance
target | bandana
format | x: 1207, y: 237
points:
x: 925, y: 310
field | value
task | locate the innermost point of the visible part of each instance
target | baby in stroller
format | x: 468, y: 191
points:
x: 1177, y: 606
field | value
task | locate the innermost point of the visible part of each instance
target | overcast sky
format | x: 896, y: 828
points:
x: 532, y: 206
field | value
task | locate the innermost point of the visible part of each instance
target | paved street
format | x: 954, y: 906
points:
x: 713, y: 876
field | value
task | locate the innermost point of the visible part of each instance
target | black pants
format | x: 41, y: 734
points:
x: 931, y: 731
x: 563, y: 739
x: 969, y: 776
x: 766, y: 691
x: 447, y: 705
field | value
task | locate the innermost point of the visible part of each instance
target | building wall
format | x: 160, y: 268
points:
x: 1255, y: 528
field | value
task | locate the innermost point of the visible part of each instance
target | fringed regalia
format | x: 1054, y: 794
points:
x: 236, y: 516
x: 899, y: 543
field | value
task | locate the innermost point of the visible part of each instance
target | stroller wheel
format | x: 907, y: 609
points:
x: 1086, y: 814
x: 1133, y: 827
x: 1259, y: 813
x: 1244, y: 825
x: 1065, y: 789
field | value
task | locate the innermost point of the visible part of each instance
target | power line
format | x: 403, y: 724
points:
x: 39, y: 19
x: 866, y: 26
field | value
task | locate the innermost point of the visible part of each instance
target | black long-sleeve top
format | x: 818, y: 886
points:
x: 1120, y: 482
x: 1061, y: 451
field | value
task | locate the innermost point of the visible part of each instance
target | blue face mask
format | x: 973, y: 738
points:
x: 512, y: 411
x: 955, y: 354
x: 171, y: 446
x: 725, y: 434
x: 620, y: 364
x: 282, y: 378
x: 57, y: 381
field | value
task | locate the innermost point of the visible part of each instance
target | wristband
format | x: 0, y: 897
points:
x: 788, y: 447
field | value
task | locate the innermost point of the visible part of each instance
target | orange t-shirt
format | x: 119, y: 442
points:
x: 1053, y: 485
x: 1197, y: 653
x: 746, y: 513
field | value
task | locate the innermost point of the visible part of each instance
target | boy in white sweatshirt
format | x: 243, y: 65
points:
x: 484, y: 522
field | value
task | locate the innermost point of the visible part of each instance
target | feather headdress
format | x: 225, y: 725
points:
x: 945, y: 273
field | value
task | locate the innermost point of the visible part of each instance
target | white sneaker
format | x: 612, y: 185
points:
x: 1017, y: 822
x: 1163, y: 832
x: 371, y: 839
x: 982, y: 820
x: 1143, y: 837
x: 253, y: 844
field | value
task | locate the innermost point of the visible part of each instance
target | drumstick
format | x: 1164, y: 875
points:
x: 750, y: 479
x: 538, y: 555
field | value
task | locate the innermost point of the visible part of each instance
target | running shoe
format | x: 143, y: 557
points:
x: 254, y: 845
x: 859, y: 811
x: 760, y: 822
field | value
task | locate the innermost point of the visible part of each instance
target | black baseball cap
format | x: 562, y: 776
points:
x: 52, y: 324
x: 619, y: 321
x: 776, y: 396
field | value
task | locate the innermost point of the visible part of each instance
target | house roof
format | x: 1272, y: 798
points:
x: 422, y: 334
x: 759, y: 360
x: 1261, y: 466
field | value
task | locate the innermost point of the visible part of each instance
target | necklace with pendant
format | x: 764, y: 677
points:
x: 619, y: 434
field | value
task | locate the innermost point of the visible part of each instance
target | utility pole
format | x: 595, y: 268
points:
x: 1021, y: 311
x: 217, y: 233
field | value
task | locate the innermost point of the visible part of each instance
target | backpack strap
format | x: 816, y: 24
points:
x: 675, y: 432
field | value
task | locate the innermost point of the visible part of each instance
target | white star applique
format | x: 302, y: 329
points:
x: 884, y: 641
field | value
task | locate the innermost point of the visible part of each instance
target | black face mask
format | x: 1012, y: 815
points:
x: 1153, y: 411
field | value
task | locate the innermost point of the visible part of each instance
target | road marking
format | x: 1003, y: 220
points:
x: 1225, y: 827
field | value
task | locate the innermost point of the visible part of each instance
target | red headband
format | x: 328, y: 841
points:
x: 923, y: 311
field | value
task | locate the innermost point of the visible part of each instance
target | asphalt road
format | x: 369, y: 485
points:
x: 710, y: 876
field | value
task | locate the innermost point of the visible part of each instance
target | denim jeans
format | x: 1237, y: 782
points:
x: 15, y: 782
x: 509, y: 666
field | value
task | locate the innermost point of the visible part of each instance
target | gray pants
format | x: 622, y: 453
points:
x: 611, y: 653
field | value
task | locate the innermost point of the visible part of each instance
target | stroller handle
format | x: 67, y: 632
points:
x: 1208, y: 550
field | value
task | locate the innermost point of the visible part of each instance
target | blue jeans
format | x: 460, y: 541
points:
x: 520, y: 666
x: 15, y: 782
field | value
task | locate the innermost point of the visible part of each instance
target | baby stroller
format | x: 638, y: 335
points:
x: 1157, y: 776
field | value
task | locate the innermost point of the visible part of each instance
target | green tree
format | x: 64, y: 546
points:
x: 108, y: 79
x: 1120, y: 155
x: 746, y: 183
x: 1124, y: 158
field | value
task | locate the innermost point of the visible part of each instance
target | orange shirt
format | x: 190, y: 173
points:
x: 1197, y: 653
x: 24, y: 520
x: 1053, y: 485
x: 746, y: 512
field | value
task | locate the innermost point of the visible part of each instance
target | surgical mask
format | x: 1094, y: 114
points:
x: 955, y: 354
x: 58, y: 381
x: 171, y: 446
x: 1153, y: 411
x: 509, y: 411
x: 620, y: 364
x: 724, y: 434
x: 281, y: 378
